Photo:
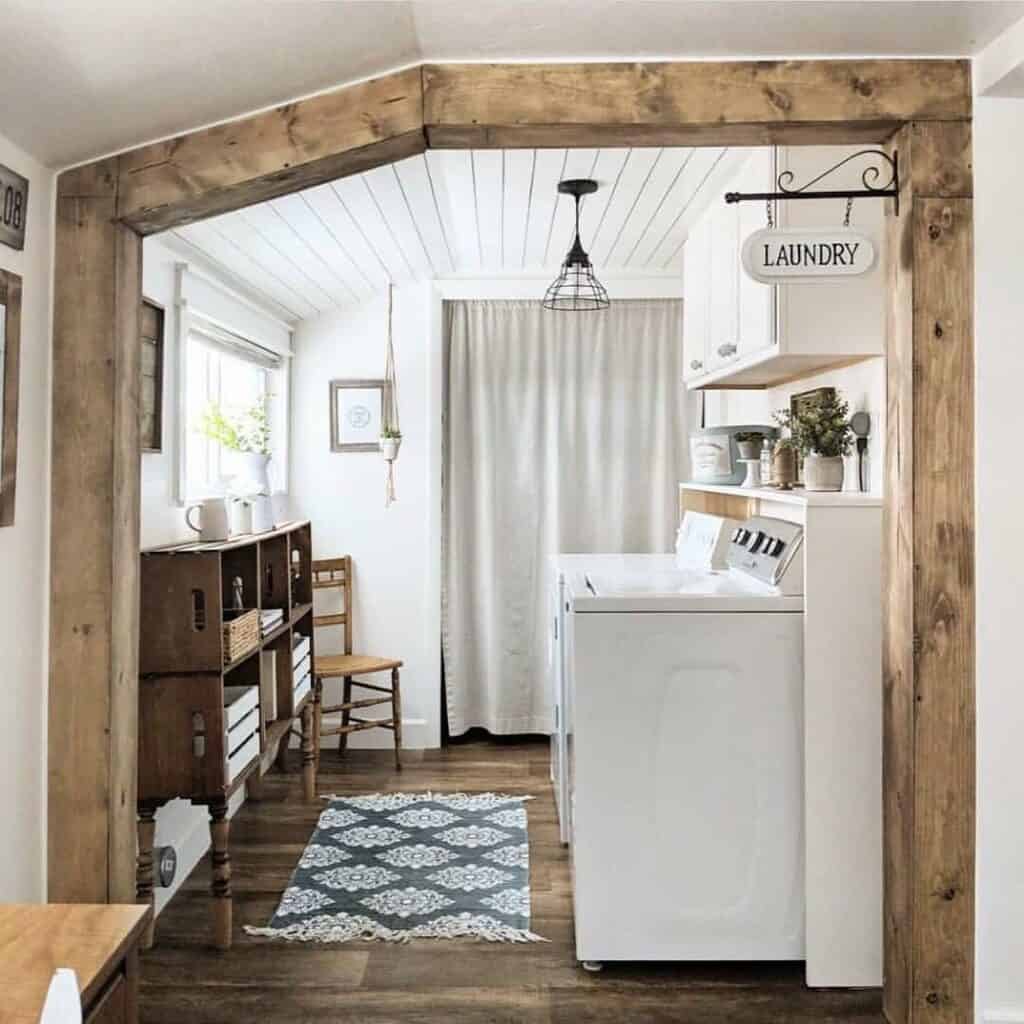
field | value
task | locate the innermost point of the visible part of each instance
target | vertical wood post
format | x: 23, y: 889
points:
x: 94, y: 594
x: 929, y: 548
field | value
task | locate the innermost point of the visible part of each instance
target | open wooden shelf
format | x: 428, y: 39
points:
x: 186, y: 589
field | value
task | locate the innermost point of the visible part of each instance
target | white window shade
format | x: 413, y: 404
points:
x: 220, y: 364
x: 233, y: 344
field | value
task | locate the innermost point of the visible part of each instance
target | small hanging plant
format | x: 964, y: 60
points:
x: 390, y: 440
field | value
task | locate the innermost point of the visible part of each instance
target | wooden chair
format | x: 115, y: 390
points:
x: 336, y: 574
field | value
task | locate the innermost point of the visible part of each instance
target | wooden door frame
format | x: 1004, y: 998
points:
x: 921, y: 107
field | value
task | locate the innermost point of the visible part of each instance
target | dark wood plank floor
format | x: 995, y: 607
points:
x: 186, y: 982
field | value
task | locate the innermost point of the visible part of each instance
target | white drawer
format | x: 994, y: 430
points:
x: 238, y: 702
x: 243, y: 757
x: 300, y: 649
x: 241, y: 732
x: 301, y: 669
x: 302, y: 688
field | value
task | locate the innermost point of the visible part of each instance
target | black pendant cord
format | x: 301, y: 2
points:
x: 889, y: 189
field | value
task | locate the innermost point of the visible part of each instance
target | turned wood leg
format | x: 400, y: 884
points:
x: 220, y: 863
x: 318, y: 717
x: 281, y: 758
x: 346, y: 715
x: 396, y: 715
x: 308, y: 754
x: 254, y: 786
x: 144, y: 875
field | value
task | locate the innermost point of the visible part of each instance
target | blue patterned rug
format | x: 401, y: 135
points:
x: 400, y: 866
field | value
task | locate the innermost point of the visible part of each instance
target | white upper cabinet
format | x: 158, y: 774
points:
x: 696, y: 278
x: 748, y: 334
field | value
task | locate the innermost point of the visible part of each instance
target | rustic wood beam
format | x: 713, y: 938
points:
x: 93, y: 698
x: 292, y: 147
x: 687, y: 103
x: 929, y: 540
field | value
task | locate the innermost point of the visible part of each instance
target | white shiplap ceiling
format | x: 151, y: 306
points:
x: 459, y: 212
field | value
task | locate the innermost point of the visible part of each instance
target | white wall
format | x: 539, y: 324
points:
x: 24, y: 557
x: 397, y: 589
x: 999, y: 425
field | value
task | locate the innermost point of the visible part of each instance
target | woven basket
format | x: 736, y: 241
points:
x: 241, y: 634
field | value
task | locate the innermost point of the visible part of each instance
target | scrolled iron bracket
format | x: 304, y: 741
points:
x: 881, y: 181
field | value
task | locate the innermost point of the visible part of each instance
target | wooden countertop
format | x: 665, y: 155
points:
x: 36, y: 939
x: 797, y: 496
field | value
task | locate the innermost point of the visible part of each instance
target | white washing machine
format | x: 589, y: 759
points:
x: 702, y: 545
x: 681, y: 736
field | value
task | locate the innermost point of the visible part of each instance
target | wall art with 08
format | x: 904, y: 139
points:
x: 357, y: 411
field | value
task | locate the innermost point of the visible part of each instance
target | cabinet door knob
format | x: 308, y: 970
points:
x: 727, y: 350
x: 695, y: 364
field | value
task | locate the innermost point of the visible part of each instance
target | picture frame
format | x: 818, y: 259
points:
x: 357, y: 414
x: 10, y: 347
x: 151, y: 376
x: 804, y: 399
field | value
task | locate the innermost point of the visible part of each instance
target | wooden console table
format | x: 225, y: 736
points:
x: 100, y: 943
x: 192, y: 743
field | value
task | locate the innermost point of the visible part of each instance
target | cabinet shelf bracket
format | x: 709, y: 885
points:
x: 881, y: 180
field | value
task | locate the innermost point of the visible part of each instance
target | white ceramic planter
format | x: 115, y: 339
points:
x: 249, y: 472
x: 389, y: 447
x: 823, y: 472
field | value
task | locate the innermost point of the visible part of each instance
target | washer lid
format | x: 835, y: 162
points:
x: 665, y: 589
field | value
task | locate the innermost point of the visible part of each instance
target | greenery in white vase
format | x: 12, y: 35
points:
x: 821, y: 427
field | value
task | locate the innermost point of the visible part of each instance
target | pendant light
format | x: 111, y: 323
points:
x: 576, y: 289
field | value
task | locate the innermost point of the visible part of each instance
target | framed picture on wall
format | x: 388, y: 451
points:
x: 151, y: 384
x: 357, y: 410
x: 10, y: 338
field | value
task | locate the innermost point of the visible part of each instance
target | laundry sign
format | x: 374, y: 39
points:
x: 789, y: 255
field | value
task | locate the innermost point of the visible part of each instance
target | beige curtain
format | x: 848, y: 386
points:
x: 564, y: 432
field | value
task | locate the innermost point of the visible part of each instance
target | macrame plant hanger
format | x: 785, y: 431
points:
x: 390, y: 434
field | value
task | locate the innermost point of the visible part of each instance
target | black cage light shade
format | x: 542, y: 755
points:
x: 576, y: 289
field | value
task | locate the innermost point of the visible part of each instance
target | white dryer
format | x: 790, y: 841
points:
x: 682, y: 737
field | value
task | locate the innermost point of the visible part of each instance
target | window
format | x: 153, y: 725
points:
x: 225, y: 371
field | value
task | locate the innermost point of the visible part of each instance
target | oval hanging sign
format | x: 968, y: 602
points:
x: 792, y: 256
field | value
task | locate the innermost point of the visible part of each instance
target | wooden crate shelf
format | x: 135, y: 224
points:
x: 188, y: 591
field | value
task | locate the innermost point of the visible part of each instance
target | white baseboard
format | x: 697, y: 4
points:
x: 1003, y: 1017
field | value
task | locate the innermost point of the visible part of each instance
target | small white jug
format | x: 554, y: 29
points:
x: 213, y: 517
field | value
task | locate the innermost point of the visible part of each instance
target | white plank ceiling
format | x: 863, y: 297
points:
x: 459, y: 212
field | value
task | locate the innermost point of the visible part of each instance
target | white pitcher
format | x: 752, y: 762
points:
x: 213, y: 519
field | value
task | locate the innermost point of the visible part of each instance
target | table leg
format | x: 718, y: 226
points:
x: 220, y: 862
x: 144, y: 873
x: 308, y: 754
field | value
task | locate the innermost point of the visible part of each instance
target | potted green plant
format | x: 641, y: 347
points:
x: 749, y: 443
x: 245, y: 433
x: 390, y: 440
x: 821, y: 432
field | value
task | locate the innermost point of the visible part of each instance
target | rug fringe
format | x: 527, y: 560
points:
x: 302, y: 933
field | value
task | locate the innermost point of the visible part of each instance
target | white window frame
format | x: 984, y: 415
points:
x: 278, y: 393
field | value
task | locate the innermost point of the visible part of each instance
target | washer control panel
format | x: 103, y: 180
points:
x: 766, y: 549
